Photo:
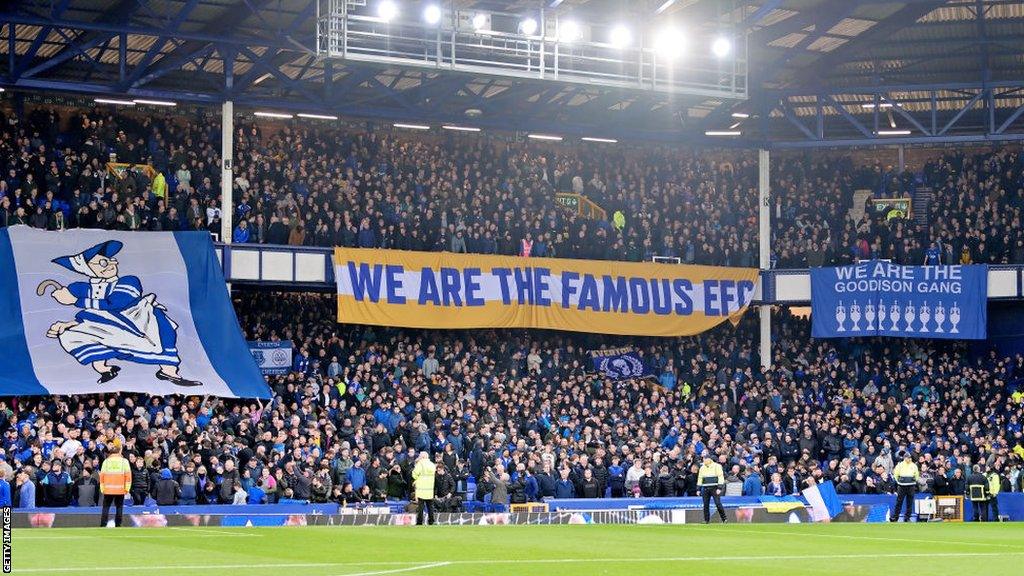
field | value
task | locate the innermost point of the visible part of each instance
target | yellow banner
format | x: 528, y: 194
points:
x: 445, y: 290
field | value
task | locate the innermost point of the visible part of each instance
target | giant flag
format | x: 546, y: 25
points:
x: 90, y: 311
x: 444, y: 290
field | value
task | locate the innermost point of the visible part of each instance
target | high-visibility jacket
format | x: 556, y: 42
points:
x: 710, y: 475
x: 423, y: 479
x: 115, y: 476
x: 995, y: 484
x: 160, y: 186
x: 906, y: 474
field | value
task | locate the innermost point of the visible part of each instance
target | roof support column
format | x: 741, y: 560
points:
x: 227, y: 205
x: 764, y: 221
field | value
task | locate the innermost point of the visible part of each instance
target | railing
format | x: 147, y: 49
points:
x: 117, y: 169
x: 486, y: 42
x: 581, y: 205
x: 304, y: 268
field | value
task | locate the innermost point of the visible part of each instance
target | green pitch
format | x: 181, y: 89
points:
x: 835, y: 549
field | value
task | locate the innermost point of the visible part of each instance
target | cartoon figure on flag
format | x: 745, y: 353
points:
x: 116, y: 321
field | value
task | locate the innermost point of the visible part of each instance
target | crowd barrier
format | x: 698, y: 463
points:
x: 1011, y: 504
x: 860, y: 508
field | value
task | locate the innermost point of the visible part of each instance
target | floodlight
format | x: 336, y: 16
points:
x: 528, y: 26
x: 721, y: 47
x: 620, y: 36
x: 479, y: 21
x: 568, y: 32
x: 432, y: 14
x: 387, y: 10
x: 669, y: 43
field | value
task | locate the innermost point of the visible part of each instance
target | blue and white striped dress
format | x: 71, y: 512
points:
x: 118, y: 322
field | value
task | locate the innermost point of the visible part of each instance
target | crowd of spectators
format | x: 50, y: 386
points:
x: 323, y: 184
x: 516, y: 416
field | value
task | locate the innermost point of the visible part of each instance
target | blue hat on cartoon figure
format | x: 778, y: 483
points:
x: 78, y: 262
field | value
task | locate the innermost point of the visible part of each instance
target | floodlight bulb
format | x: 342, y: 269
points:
x: 669, y: 43
x: 721, y: 47
x: 528, y: 26
x: 620, y: 37
x: 569, y: 32
x: 432, y: 14
x: 387, y: 10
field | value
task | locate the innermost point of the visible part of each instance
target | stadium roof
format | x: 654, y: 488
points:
x: 820, y: 70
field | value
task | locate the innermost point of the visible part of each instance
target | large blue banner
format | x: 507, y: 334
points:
x: 91, y: 311
x: 619, y: 363
x: 877, y: 298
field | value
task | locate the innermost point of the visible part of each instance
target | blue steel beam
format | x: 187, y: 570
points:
x: 283, y: 56
x: 789, y: 115
x: 895, y: 141
x: 902, y: 18
x: 283, y: 78
x: 966, y: 108
x: 26, y: 60
x: 74, y: 49
x: 375, y: 113
x: 898, y: 108
x: 157, y: 47
x: 169, y: 65
x: 1010, y: 120
x: 839, y: 107
x: 116, y: 28
x: 11, y: 50
x: 119, y: 12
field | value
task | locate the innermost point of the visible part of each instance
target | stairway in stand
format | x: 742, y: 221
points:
x: 856, y: 211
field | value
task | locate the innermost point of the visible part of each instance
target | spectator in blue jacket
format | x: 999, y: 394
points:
x: 564, y: 488
x: 531, y: 488
x: 301, y: 362
x: 670, y: 441
x: 752, y: 485
x: 357, y: 475
x: 5, y: 492
x: 667, y: 378
x: 26, y: 490
x: 616, y: 479
x: 241, y: 233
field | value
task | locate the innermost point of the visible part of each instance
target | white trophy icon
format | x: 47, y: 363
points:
x: 925, y: 315
x: 840, y: 316
x: 954, y: 318
x: 881, y: 315
x: 855, y: 316
x: 894, y: 316
x: 940, y: 316
x: 869, y: 315
x: 909, y: 314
